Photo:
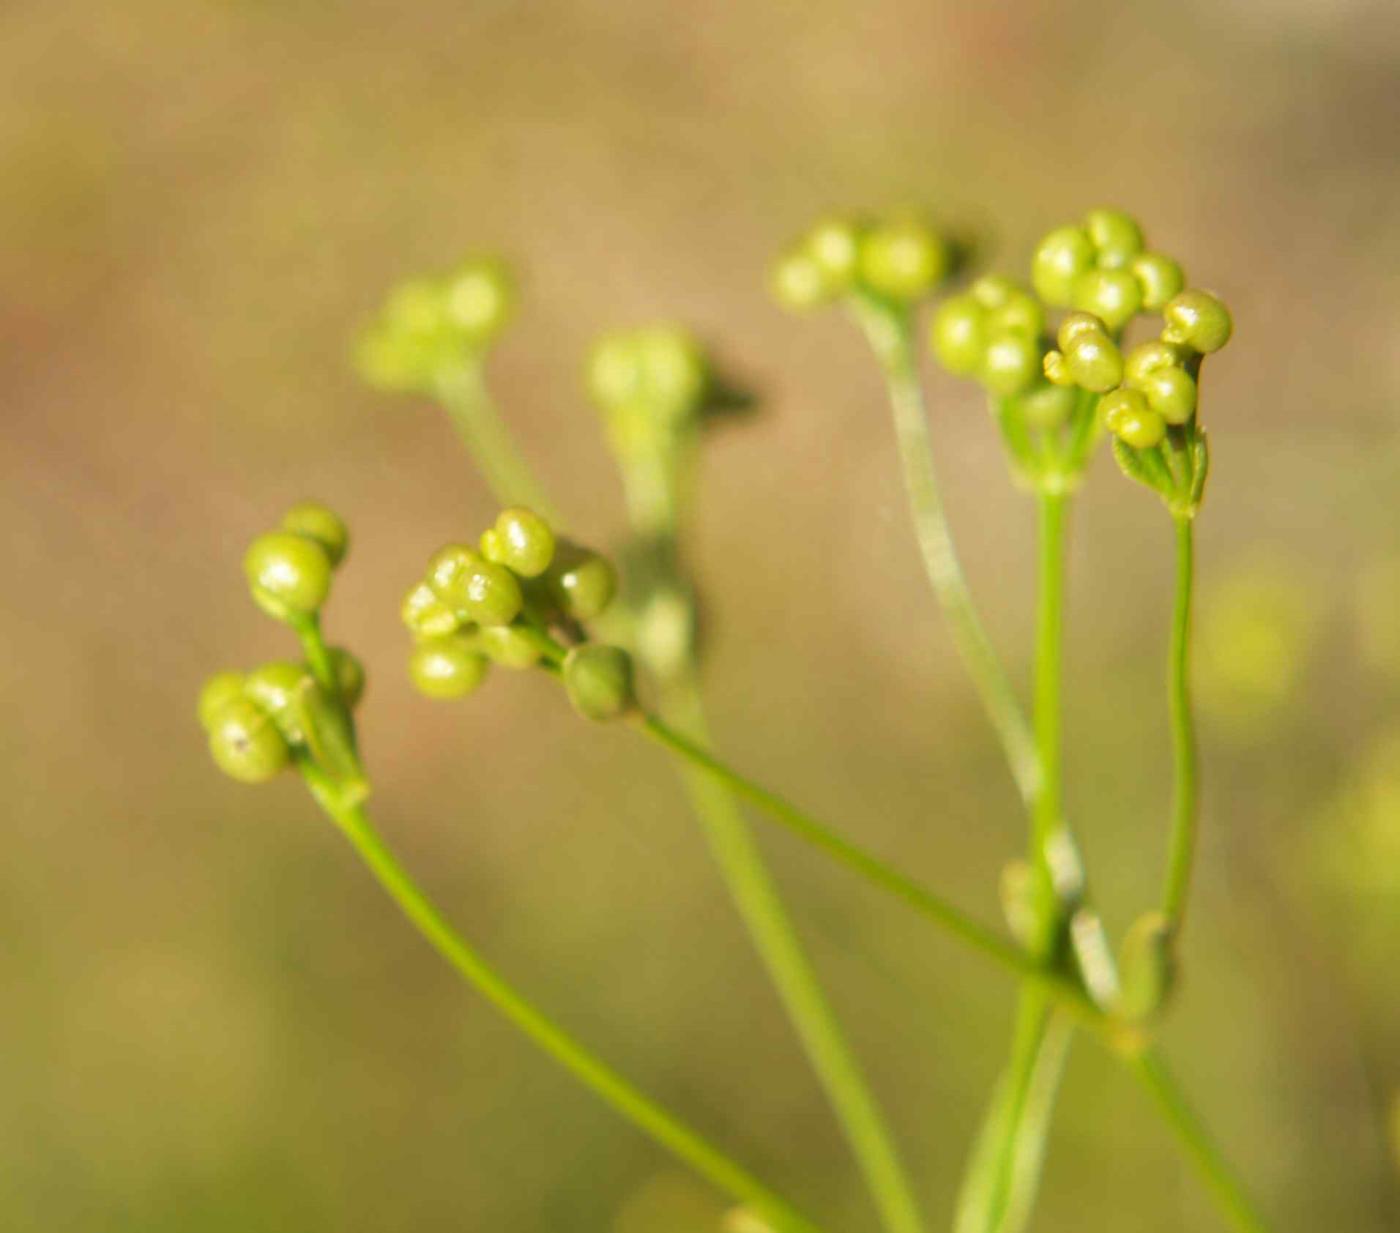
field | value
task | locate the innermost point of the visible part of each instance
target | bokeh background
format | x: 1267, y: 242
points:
x: 210, y: 1018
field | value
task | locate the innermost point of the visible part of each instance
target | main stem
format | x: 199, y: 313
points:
x: 1184, y: 791
x: 643, y: 1112
x: 1048, y: 814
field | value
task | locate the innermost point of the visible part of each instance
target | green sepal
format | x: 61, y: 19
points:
x: 1147, y: 467
x: 1146, y: 968
x: 329, y: 740
x: 1200, y: 469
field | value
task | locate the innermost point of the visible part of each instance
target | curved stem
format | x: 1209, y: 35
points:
x: 1219, y: 1177
x: 639, y: 1109
x: 1184, y: 811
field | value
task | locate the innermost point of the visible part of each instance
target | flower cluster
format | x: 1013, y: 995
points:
x: 290, y: 569
x: 429, y: 325
x: 509, y: 601
x: 897, y: 260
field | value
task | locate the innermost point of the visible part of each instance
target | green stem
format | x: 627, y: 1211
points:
x: 462, y: 391
x: 760, y: 905
x: 318, y: 656
x: 1184, y: 792
x: 639, y: 1109
x: 1219, y: 1177
x: 1047, y: 818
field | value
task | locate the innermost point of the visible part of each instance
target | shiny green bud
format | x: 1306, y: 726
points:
x: 290, y: 575
x: 834, y: 244
x: 246, y: 743
x: 614, y: 374
x: 446, y: 667
x: 349, y: 675
x: 1171, y: 393
x: 473, y: 587
x: 1010, y: 364
x: 675, y: 374
x: 993, y: 291
x: 798, y: 282
x: 274, y: 687
x: 1059, y: 260
x: 598, y: 680
x: 1147, y: 357
x: 1056, y: 369
x: 903, y: 260
x: 525, y: 542
x: 957, y: 335
x: 321, y: 524
x: 1198, y: 320
x: 510, y: 646
x: 426, y: 615
x: 581, y: 582
x: 476, y: 299
x: 1047, y: 407
x: 218, y: 691
x: 1094, y: 361
x: 1128, y: 417
x: 1116, y: 237
x: 1111, y: 295
x: 1159, y: 278
x: 1077, y: 324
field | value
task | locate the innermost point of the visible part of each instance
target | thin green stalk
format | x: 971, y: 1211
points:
x: 1048, y: 815
x: 462, y: 391
x: 639, y: 1109
x: 318, y: 656
x: 1184, y: 792
x: 1219, y: 1177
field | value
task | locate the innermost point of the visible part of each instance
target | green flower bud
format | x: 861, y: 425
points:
x: 474, y: 587
x: 1148, y: 357
x: 1159, y: 277
x: 246, y: 744
x: 1059, y: 260
x: 1111, y: 295
x: 799, y: 283
x: 581, y: 582
x: 290, y: 575
x: 834, y: 245
x: 598, y: 680
x: 274, y: 687
x: 1094, y: 361
x: 476, y: 299
x: 510, y: 646
x: 614, y: 376
x: 1116, y: 237
x: 1076, y: 324
x: 1047, y: 407
x: 1010, y: 364
x: 993, y: 291
x: 526, y: 543
x: 1171, y: 393
x: 1056, y: 369
x: 903, y: 260
x: 219, y: 690
x: 1198, y: 320
x: 349, y: 675
x: 1128, y: 417
x: 411, y: 340
x: 957, y: 335
x: 426, y: 615
x: 446, y: 667
x: 321, y: 524
x: 674, y: 372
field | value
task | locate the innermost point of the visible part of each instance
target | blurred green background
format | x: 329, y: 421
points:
x: 210, y: 1018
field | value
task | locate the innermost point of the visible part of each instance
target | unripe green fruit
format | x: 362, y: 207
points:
x: 426, y: 615
x: 581, y: 582
x: 1059, y: 260
x: 834, y: 245
x: 1197, y: 320
x: 1116, y: 237
x: 1077, y: 324
x: 1147, y: 357
x: 1011, y: 364
x: 510, y: 646
x: 1047, y: 406
x: 446, y: 667
x: 957, y: 335
x: 1159, y: 278
x: 1111, y: 295
x: 598, y: 680
x: 524, y: 541
x: 349, y: 675
x: 449, y: 570
x: 246, y: 744
x: 1171, y: 393
x: 902, y: 260
x: 799, y: 283
x: 273, y: 686
x: 290, y: 575
x: 993, y: 291
x: 218, y: 691
x: 1128, y: 417
x: 1094, y: 361
x: 475, y: 588
x: 321, y: 524
x: 476, y: 299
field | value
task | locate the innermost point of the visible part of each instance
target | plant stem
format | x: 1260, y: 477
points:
x: 1048, y: 814
x: 890, y: 338
x: 1219, y: 1177
x: 639, y: 1109
x: 462, y: 391
x: 1184, y: 792
x: 318, y: 656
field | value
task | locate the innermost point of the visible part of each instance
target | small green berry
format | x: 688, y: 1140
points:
x: 1047, y: 406
x: 449, y: 570
x: 1159, y: 277
x: 598, y: 680
x: 510, y: 646
x: 273, y: 686
x: 1197, y: 320
x: 1010, y: 364
x: 1059, y: 260
x: 321, y: 524
x: 349, y: 675
x: 1171, y: 393
x: 957, y: 335
x: 614, y: 374
x: 219, y: 690
x: 1094, y: 361
x: 1128, y: 417
x: 674, y: 372
x: 1148, y: 357
x: 834, y: 245
x: 246, y: 743
x: 477, y: 589
x: 426, y: 615
x: 526, y: 543
x: 799, y: 283
x: 993, y: 291
x: 903, y: 260
x: 1111, y: 295
x: 581, y: 581
x: 446, y: 667
x: 476, y: 299
x: 1116, y: 237
x: 290, y: 575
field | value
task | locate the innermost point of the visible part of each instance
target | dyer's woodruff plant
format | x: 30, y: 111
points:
x: 524, y: 597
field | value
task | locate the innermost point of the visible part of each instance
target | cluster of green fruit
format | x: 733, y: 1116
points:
x: 429, y: 325
x: 899, y: 260
x: 503, y: 602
